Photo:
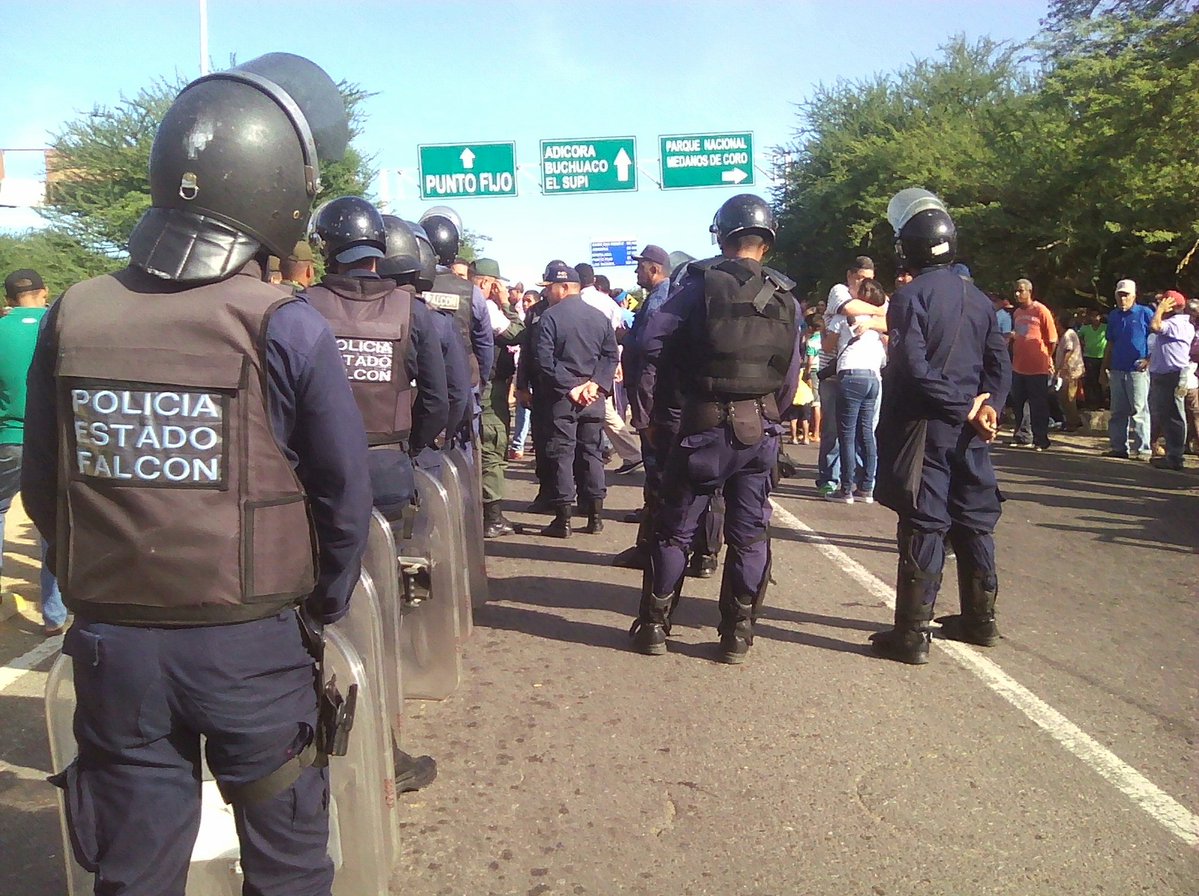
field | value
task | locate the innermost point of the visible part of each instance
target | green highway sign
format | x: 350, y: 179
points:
x: 464, y: 170
x: 605, y: 165
x: 707, y: 160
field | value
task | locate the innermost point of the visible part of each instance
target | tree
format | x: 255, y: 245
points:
x: 98, y: 169
x: 59, y: 258
x: 941, y: 124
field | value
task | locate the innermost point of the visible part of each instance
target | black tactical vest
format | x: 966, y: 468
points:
x: 176, y: 504
x: 373, y: 330
x: 750, y: 335
x: 453, y: 294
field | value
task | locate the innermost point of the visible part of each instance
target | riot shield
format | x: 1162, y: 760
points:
x: 379, y: 566
x: 455, y: 490
x: 430, y: 650
x: 473, y: 516
x: 363, y: 825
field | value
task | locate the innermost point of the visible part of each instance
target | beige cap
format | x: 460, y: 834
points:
x: 1126, y: 286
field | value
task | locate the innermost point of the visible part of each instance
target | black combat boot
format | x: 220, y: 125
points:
x: 560, y: 527
x: 412, y: 772
x: 495, y: 524
x: 915, y: 594
x: 738, y: 613
x: 736, y: 628
x: 540, y: 504
x: 702, y: 566
x: 977, y: 592
x: 652, y: 625
x: 595, y: 523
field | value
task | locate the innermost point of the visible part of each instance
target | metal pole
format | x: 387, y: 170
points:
x: 203, y: 37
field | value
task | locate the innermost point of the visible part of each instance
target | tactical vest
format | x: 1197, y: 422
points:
x: 176, y: 504
x: 746, y: 348
x: 372, y: 337
x: 453, y: 294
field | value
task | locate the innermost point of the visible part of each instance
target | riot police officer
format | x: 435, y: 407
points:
x: 464, y: 300
x: 728, y: 336
x: 387, y: 342
x: 949, y: 371
x: 231, y: 496
x: 409, y: 261
x: 575, y: 359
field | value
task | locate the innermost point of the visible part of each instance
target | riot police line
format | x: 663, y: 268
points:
x: 245, y: 636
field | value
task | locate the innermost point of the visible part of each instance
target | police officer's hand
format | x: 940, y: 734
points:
x: 579, y: 395
x: 986, y: 424
x: 524, y: 398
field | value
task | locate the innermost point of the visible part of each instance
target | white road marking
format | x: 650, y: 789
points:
x: 23, y: 665
x: 1164, y: 809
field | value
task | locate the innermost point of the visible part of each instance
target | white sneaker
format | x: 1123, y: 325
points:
x: 864, y: 497
x: 839, y: 497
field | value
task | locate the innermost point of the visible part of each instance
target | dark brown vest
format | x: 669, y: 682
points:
x: 372, y: 321
x: 176, y: 504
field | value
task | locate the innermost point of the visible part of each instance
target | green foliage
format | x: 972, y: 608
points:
x: 99, y: 186
x: 1073, y: 167
x: 59, y: 258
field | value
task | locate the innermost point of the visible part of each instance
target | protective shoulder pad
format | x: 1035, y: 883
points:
x: 778, y: 278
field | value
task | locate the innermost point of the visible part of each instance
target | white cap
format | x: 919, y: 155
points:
x: 1126, y: 286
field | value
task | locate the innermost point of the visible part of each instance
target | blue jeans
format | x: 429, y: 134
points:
x: 521, y: 433
x: 1170, y: 410
x: 855, y: 427
x: 1130, y: 398
x: 829, y: 463
x: 54, y: 612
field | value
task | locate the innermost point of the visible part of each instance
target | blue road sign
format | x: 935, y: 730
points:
x: 613, y: 253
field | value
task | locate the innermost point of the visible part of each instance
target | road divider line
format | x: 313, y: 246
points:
x: 15, y: 670
x: 1163, y: 808
x: 23, y: 772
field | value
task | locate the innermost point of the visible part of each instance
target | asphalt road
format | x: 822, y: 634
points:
x: 1061, y: 761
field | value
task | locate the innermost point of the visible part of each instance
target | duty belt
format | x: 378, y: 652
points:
x: 745, y: 416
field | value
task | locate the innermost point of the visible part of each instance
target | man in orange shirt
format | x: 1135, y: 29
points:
x: 1034, y: 339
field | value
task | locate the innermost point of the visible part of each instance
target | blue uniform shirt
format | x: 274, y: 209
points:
x: 316, y: 424
x: 574, y: 343
x: 457, y: 368
x: 922, y: 319
x: 1128, y: 336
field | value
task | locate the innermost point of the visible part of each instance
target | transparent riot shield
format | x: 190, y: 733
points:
x: 473, y: 516
x: 430, y: 649
x: 455, y: 489
x: 379, y: 566
x: 363, y: 827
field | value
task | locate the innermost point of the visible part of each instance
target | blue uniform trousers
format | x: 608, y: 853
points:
x: 695, y: 468
x: 572, y: 453
x: 959, y: 499
x: 144, y: 698
x: 709, y: 534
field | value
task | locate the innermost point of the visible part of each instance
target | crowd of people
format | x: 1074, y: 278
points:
x: 206, y: 492
x: 1139, y: 359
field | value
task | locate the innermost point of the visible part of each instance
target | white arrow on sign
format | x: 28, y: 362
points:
x: 468, y: 159
x: 623, y: 162
x: 735, y: 176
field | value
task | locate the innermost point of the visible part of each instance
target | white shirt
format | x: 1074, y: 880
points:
x: 867, y: 352
x: 603, y: 303
x: 499, y: 321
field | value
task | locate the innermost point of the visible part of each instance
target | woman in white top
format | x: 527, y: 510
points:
x: 861, y: 354
x: 1068, y: 363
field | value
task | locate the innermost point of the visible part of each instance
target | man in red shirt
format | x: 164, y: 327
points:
x: 1034, y: 339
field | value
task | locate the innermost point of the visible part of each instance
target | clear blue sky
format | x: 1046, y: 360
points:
x: 460, y: 72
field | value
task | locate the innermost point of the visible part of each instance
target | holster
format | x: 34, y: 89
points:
x: 746, y: 416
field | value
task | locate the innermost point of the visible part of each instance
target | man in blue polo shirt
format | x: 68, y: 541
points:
x: 1126, y: 362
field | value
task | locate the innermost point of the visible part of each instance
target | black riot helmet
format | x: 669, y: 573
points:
x: 444, y: 229
x: 348, y: 229
x: 235, y: 167
x: 428, y: 257
x: 401, y: 259
x: 925, y: 235
x: 928, y: 239
x: 744, y: 214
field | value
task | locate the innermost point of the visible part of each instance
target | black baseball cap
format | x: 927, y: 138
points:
x: 559, y: 272
x: 23, y: 280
